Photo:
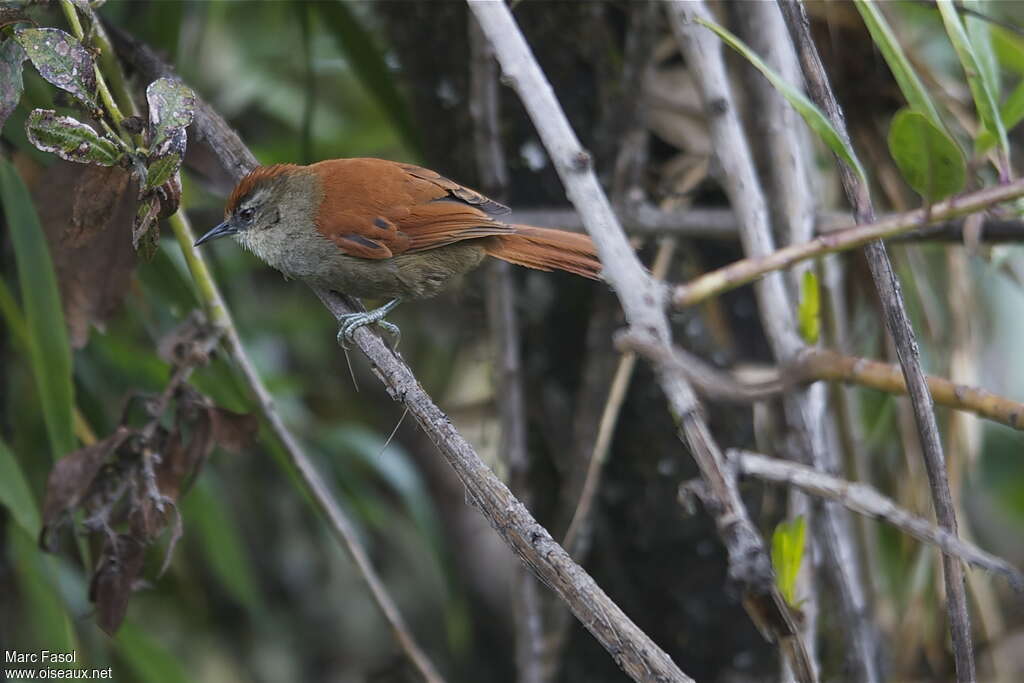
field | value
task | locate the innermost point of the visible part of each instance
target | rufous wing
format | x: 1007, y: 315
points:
x: 377, y: 209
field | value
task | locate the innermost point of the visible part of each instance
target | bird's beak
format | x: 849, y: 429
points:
x: 222, y: 230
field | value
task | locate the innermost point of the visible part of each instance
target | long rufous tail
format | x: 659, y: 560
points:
x: 547, y: 249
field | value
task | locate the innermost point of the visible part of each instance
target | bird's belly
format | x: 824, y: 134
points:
x: 319, y: 262
x: 408, y: 276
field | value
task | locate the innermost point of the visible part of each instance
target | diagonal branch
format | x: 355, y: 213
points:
x: 631, y: 648
x: 865, y: 500
x: 902, y: 333
x: 339, y: 522
x: 642, y: 302
x: 750, y: 269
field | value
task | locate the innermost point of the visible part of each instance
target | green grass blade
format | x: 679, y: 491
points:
x: 16, y: 495
x: 985, y: 100
x: 810, y: 113
x: 49, y: 351
x: 46, y: 617
x: 148, y: 658
x: 906, y: 77
x: 1012, y: 112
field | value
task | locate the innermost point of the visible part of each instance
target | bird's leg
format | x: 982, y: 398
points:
x: 350, y: 322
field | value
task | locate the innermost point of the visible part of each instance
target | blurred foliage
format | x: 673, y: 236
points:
x: 258, y: 590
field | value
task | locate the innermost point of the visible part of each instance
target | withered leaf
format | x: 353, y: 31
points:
x: 11, y: 58
x: 233, y: 431
x: 179, y: 466
x: 87, y: 213
x: 170, y: 196
x: 61, y: 60
x: 70, y: 139
x: 171, y: 109
x: 117, y: 571
x: 72, y: 477
x: 178, y: 345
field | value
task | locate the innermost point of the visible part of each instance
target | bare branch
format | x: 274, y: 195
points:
x: 750, y: 269
x: 902, y: 333
x: 642, y: 301
x: 340, y: 524
x: 814, y: 364
x: 865, y: 500
x: 720, y: 224
x: 632, y: 649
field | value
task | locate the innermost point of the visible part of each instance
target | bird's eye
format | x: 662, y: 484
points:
x: 246, y: 214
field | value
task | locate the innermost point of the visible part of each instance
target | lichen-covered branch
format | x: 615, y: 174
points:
x: 865, y: 500
x: 750, y: 269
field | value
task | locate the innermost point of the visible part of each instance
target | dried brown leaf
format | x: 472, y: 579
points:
x: 72, y: 477
x: 176, y: 346
x: 87, y: 213
x: 233, y: 431
x: 117, y: 571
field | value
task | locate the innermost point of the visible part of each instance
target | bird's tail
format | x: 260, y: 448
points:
x: 547, y: 249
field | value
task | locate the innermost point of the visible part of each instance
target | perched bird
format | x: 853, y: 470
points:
x: 380, y: 229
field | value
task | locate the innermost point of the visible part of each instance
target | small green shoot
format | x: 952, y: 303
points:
x: 809, y: 310
x: 787, y: 554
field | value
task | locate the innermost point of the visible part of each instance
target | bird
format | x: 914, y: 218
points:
x: 379, y: 229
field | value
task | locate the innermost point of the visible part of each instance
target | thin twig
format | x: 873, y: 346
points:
x: 71, y: 13
x: 865, y: 500
x: 339, y: 522
x: 631, y: 648
x: 823, y: 364
x: 610, y: 414
x: 819, y: 364
x: 899, y: 326
x: 750, y: 269
x: 805, y: 408
x: 642, y: 303
x: 643, y: 218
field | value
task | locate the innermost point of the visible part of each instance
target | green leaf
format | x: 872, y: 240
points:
x: 906, y: 77
x: 49, y: 351
x: 146, y: 227
x: 980, y: 33
x: 1009, y: 49
x: 930, y: 161
x: 1012, y: 112
x: 43, y: 610
x: 161, y: 169
x: 61, y: 60
x: 809, y: 311
x: 219, y: 537
x: 70, y: 139
x: 16, y: 495
x: 11, y: 85
x: 148, y: 657
x: 985, y: 100
x: 787, y: 555
x: 810, y: 113
x: 367, y: 61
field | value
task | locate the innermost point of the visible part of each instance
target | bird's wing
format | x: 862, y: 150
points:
x: 376, y: 209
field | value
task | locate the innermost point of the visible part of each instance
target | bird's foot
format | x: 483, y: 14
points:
x: 353, y: 321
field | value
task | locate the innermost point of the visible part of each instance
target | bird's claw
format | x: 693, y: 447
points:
x: 353, y: 321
